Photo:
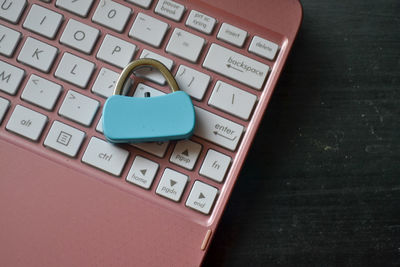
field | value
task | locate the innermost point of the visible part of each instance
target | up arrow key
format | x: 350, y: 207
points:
x: 201, y: 196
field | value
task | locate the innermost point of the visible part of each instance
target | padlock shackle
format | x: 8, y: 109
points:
x: 127, y: 71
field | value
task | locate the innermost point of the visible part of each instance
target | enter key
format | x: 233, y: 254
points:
x: 216, y: 129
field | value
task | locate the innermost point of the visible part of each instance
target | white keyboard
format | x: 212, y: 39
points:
x: 59, y: 61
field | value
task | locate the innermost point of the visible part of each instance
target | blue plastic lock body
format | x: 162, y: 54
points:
x: 160, y: 118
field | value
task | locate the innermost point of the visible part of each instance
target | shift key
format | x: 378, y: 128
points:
x: 216, y: 129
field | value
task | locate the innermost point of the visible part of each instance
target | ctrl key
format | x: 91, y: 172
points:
x: 105, y: 156
x: 26, y: 122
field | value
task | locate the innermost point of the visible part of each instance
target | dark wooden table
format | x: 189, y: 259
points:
x: 321, y: 185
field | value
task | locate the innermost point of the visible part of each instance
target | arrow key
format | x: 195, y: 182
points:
x: 202, y: 197
x: 185, y: 154
x: 142, y: 172
x: 172, y: 184
x: 41, y: 92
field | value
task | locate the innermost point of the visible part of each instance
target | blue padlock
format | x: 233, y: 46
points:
x: 137, y: 119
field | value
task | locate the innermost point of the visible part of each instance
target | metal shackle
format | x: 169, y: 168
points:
x: 127, y: 71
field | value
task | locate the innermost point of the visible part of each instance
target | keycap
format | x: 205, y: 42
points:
x: 37, y: 54
x: 148, y: 30
x: 157, y: 149
x: 41, y: 92
x: 142, y: 172
x: 9, y: 39
x: 79, y: 108
x: 236, y: 66
x: 142, y: 3
x: 202, y: 197
x: 232, y: 35
x: 105, y: 156
x: 78, y: 7
x: 116, y: 51
x: 149, y: 72
x: 172, y: 184
x: 11, y: 10
x: 263, y: 48
x: 64, y: 138
x: 105, y: 82
x: 74, y: 70
x: 4, y: 105
x: 185, y: 45
x: 143, y: 89
x: 170, y: 9
x: 215, y: 165
x: 216, y: 129
x: 185, y: 154
x: 233, y: 100
x: 79, y: 36
x: 10, y: 78
x: 99, y: 126
x: 43, y: 21
x: 112, y: 15
x: 201, y: 22
x: 193, y: 82
x: 26, y: 122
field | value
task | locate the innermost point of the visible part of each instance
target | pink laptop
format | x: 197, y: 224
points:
x: 70, y: 198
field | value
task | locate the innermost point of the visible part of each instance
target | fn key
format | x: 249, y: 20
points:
x: 105, y: 156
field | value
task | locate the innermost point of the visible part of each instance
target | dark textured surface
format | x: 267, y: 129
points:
x: 321, y: 185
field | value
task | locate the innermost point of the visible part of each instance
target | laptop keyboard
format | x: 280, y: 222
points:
x: 60, y: 60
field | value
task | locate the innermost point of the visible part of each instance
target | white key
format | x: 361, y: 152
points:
x: 263, y: 48
x: 148, y: 30
x: 99, y: 126
x: 216, y: 129
x: 193, y: 82
x: 64, y: 138
x: 78, y: 7
x: 215, y: 165
x: 43, y: 21
x: 26, y: 122
x: 151, y: 73
x: 11, y: 10
x: 9, y: 39
x: 201, y: 22
x: 105, y: 156
x: 79, y: 36
x: 10, y: 78
x: 37, y: 54
x: 75, y: 70
x: 236, y: 66
x: 232, y: 35
x: 41, y: 92
x: 142, y: 172
x: 157, y: 149
x: 170, y: 9
x: 172, y: 184
x: 116, y: 51
x: 142, y: 3
x: 233, y: 100
x: 202, y: 197
x: 79, y: 108
x: 185, y: 45
x: 112, y: 15
x: 105, y: 82
x: 142, y: 89
x: 185, y: 154
x: 4, y: 105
